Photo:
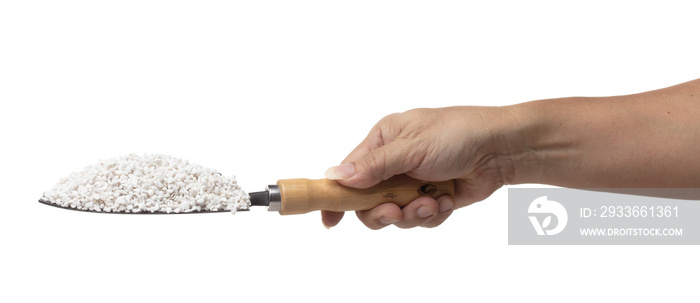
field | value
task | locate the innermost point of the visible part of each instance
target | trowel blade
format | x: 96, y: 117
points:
x: 45, y: 201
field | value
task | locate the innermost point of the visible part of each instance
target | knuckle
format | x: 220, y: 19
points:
x: 432, y: 224
x: 406, y: 226
x: 389, y: 118
x: 374, y: 165
x: 369, y: 220
x: 437, y: 221
x: 361, y: 215
x: 375, y: 227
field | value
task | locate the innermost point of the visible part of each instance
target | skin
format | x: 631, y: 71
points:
x: 647, y: 140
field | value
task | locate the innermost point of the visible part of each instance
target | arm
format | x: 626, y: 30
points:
x: 650, y: 139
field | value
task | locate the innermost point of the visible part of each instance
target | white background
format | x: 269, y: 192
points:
x: 266, y: 90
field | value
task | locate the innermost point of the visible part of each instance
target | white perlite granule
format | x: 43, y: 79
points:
x: 148, y: 183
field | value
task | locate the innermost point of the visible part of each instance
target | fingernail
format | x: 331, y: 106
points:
x: 387, y: 220
x: 326, y: 226
x: 445, y: 205
x: 341, y: 172
x: 424, y: 212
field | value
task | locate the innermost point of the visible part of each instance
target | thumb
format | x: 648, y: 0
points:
x: 375, y: 166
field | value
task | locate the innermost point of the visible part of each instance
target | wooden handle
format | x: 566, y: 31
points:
x: 301, y: 196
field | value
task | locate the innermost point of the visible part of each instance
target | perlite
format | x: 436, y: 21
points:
x: 148, y: 183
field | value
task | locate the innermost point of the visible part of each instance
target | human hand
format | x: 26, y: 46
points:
x: 459, y: 143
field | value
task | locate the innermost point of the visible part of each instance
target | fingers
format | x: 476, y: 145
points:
x: 446, y: 205
x: 376, y: 165
x: 380, y: 216
x: 331, y: 218
x: 424, y: 211
x: 384, y: 153
x: 381, y: 155
x: 418, y: 212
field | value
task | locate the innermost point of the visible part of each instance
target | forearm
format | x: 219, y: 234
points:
x: 644, y: 140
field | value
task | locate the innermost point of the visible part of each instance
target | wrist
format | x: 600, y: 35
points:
x: 535, y: 142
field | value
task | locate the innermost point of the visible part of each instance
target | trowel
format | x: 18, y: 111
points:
x: 299, y: 196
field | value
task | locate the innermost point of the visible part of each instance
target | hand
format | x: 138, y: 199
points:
x: 429, y: 144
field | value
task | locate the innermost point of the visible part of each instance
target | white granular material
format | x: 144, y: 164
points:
x: 148, y: 183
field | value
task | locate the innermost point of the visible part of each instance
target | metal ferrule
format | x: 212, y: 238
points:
x: 275, y: 198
